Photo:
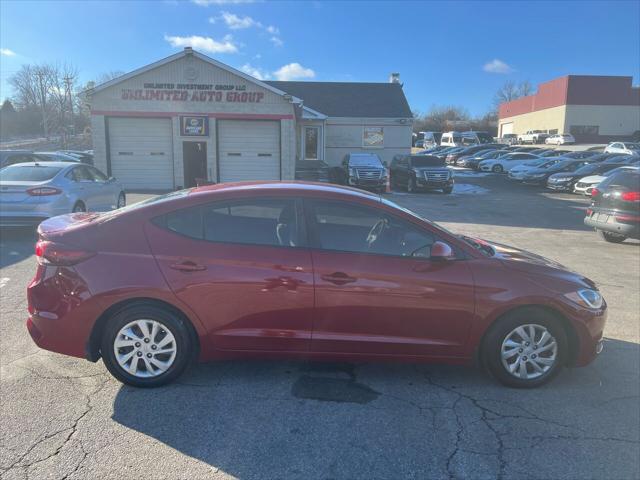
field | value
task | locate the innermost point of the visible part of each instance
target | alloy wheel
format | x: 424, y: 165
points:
x: 121, y: 201
x: 145, y: 348
x: 529, y: 351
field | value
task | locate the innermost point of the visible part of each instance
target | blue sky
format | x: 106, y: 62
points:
x: 448, y: 53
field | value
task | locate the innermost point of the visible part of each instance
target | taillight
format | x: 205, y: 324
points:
x: 43, y: 191
x: 624, y: 218
x: 51, y: 253
x: 595, y: 192
x: 631, y: 196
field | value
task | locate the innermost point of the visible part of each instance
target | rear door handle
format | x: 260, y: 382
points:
x: 188, y: 266
x: 338, y: 278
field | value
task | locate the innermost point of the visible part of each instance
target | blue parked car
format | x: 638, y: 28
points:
x: 33, y: 191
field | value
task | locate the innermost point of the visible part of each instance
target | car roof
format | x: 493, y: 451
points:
x: 290, y: 187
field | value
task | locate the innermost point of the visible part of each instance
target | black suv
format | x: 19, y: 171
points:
x: 421, y: 172
x: 615, y: 206
x: 363, y: 170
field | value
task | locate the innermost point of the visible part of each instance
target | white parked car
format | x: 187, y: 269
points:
x: 629, y: 148
x: 506, y: 162
x: 560, y: 139
x: 585, y: 185
x: 517, y: 172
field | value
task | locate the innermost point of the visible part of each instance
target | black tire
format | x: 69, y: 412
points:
x: 497, y: 169
x: 447, y: 190
x: 492, y: 344
x: 174, y: 323
x: 411, y: 185
x: 122, y: 200
x: 79, y: 207
x: 612, y: 237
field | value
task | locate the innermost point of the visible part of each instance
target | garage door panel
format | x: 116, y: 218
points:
x: 141, y: 152
x: 249, y: 150
x: 507, y: 128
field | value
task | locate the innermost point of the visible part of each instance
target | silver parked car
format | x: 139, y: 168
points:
x: 33, y: 191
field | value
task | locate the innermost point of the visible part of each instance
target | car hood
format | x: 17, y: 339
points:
x: 535, y: 265
x: 592, y: 178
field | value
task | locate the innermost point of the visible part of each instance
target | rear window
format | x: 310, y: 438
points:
x: 625, y: 178
x: 19, y: 173
x: 427, y: 161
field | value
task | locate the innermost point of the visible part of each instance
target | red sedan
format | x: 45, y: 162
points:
x: 300, y: 271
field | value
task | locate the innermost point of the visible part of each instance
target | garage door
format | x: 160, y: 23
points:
x: 506, y: 128
x: 141, y: 152
x: 249, y: 150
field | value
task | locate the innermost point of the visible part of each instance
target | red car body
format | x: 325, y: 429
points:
x: 254, y: 300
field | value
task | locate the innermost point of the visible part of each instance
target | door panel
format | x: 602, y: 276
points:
x: 394, y: 306
x: 377, y: 291
x: 250, y: 297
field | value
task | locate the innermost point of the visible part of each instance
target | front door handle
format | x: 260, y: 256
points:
x: 338, y: 278
x: 188, y: 266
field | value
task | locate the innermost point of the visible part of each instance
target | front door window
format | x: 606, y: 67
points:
x: 311, y: 142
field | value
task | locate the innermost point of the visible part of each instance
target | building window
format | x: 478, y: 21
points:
x: 584, y: 130
x: 553, y: 131
x: 373, y: 137
x: 311, y: 143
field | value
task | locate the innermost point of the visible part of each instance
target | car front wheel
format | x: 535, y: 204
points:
x: 411, y: 185
x: 497, y: 169
x: 122, y: 200
x: 146, y: 346
x: 525, y: 349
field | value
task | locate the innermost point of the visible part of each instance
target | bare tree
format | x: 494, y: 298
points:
x: 25, y: 87
x: 525, y: 88
x: 511, y: 91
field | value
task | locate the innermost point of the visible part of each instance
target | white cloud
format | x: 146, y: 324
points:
x: 234, y: 22
x: 276, y: 41
x: 497, y: 66
x: 293, y: 71
x: 5, y: 52
x: 255, y: 72
x: 207, y: 44
x: 206, y: 3
x: 273, y: 30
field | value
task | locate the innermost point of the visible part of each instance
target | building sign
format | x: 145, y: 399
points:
x: 194, y: 126
x: 192, y: 92
x: 373, y: 137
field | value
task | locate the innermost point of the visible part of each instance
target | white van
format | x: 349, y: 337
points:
x: 451, y: 139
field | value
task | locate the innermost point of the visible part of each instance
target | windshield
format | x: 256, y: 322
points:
x: 418, y: 161
x: 364, y: 160
x: 35, y: 173
x: 587, y: 169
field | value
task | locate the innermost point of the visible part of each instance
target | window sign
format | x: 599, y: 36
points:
x: 373, y: 137
x: 194, y: 126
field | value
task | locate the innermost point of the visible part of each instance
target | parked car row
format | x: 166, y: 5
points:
x: 10, y: 157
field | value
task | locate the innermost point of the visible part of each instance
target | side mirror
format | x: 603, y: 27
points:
x: 111, y: 179
x: 440, y: 251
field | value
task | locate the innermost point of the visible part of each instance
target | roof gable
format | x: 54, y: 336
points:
x: 350, y: 99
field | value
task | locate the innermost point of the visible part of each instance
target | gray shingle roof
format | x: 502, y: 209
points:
x: 350, y: 99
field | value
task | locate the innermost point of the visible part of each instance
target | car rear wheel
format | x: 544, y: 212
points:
x: 525, y: 348
x: 122, y: 200
x: 146, y: 346
x: 612, y: 237
x: 79, y: 207
x: 497, y: 169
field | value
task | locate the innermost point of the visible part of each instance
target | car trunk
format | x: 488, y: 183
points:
x: 16, y: 192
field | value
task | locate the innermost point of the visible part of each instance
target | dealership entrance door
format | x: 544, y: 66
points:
x: 194, y: 155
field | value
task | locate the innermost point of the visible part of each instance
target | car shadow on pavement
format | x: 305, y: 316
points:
x: 333, y: 420
x: 16, y: 244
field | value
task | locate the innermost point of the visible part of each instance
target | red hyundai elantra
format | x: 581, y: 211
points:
x: 299, y: 271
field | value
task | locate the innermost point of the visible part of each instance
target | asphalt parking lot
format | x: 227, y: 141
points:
x: 67, y: 418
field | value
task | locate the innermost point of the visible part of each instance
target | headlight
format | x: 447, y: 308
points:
x: 352, y: 172
x: 537, y: 175
x: 586, y: 298
x: 562, y: 179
